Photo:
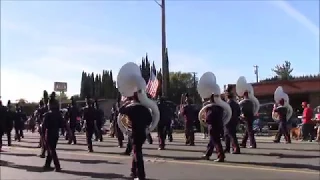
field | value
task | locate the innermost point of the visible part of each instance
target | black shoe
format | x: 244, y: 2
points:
x: 42, y: 156
x: 205, y: 157
x: 57, y: 169
x: 133, y: 175
x: 90, y: 150
x: 47, y: 168
x: 219, y: 160
x: 226, y: 151
x: 126, y: 154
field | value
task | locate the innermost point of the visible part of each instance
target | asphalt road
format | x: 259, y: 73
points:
x: 296, y: 161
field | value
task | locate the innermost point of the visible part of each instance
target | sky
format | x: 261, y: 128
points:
x: 47, y: 41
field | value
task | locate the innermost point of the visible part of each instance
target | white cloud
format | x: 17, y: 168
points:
x: 299, y: 17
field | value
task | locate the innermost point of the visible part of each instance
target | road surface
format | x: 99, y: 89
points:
x: 296, y: 161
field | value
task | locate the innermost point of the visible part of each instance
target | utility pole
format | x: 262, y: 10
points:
x: 165, y: 63
x: 256, y: 72
x: 165, y: 66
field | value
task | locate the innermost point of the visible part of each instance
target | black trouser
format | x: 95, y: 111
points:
x: 249, y: 133
x: 18, y: 133
x: 72, y: 136
x: 283, y: 130
x: 42, y: 145
x: 89, y: 134
x: 1, y: 134
x: 137, y: 168
x: 162, y: 134
x: 215, y: 142
x: 149, y: 138
x: 129, y: 145
x: 63, y: 131
x: 230, y: 134
x: 119, y: 134
x: 112, y: 129
x: 189, y: 134
x: 51, y: 144
x: 8, y: 133
x: 308, y: 131
x: 169, y: 132
x: 98, y: 132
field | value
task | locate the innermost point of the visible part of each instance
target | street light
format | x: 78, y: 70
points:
x: 165, y: 66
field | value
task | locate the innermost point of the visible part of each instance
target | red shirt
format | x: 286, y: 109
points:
x: 307, y: 115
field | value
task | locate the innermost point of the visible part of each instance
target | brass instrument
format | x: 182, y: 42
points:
x: 125, y: 122
x: 279, y: 94
x: 241, y: 88
x: 129, y: 81
x: 207, y: 86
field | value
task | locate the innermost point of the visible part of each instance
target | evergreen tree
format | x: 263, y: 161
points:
x: 82, y: 89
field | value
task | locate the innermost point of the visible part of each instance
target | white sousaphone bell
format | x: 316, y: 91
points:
x: 129, y: 81
x: 206, y: 87
x: 241, y: 87
x: 279, y: 94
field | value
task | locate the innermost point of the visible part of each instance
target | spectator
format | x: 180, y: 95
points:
x: 307, y: 123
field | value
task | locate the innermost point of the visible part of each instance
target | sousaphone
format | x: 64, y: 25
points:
x: 207, y: 86
x: 129, y: 81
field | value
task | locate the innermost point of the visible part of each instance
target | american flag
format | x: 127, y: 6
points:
x: 153, y: 84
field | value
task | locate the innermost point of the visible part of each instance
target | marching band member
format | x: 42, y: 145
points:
x: 216, y: 113
x: 89, y: 116
x: 282, y: 112
x: 44, y: 109
x: 131, y: 84
x: 117, y: 130
x: 249, y: 108
x: 99, y: 122
x: 230, y: 129
x: 3, y: 117
x: 10, y: 116
x: 52, y: 123
x: 72, y: 115
x: 188, y: 114
x: 165, y: 119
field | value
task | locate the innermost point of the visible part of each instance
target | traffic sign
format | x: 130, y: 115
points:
x: 60, y: 86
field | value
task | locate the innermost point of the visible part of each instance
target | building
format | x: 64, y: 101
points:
x: 299, y: 90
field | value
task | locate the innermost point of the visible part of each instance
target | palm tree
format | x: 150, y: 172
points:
x: 283, y: 71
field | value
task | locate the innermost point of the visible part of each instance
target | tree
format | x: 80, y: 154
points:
x: 181, y: 82
x: 283, y: 71
x: 21, y: 101
x: 62, y: 95
x: 76, y: 97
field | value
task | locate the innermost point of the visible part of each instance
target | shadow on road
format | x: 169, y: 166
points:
x: 25, y: 146
x: 174, y: 149
x: 280, y: 155
x: 86, y: 161
x: 76, y: 173
x: 19, y: 155
x: 289, y: 149
x: 280, y: 165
